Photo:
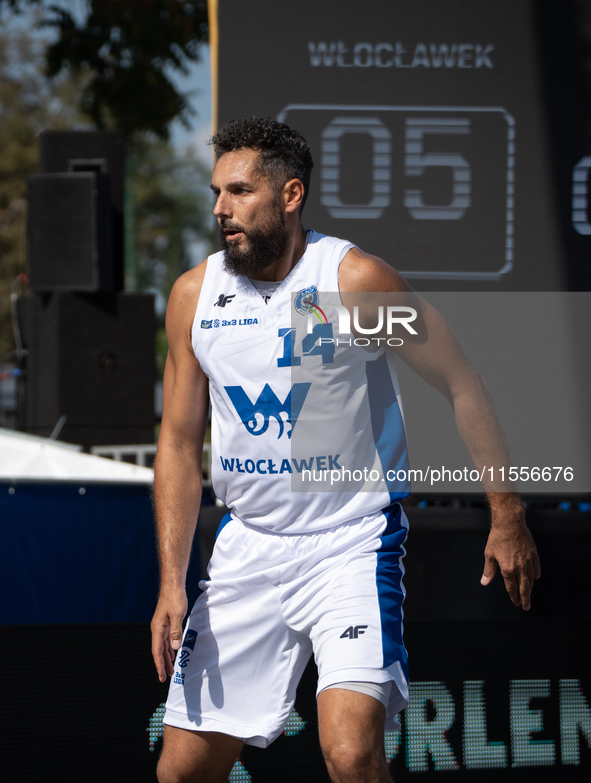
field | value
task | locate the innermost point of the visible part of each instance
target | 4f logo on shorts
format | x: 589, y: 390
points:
x: 353, y: 632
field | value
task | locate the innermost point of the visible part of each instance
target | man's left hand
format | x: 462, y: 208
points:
x: 511, y: 546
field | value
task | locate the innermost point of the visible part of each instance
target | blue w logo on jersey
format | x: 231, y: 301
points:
x: 256, y: 416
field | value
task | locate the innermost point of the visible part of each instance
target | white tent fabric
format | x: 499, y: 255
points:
x: 29, y: 458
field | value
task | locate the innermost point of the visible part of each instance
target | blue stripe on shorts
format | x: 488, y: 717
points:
x: 389, y: 572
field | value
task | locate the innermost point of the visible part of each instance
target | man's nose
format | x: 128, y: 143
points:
x: 222, y: 207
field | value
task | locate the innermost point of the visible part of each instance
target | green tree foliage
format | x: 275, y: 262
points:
x: 129, y: 48
x: 171, y: 212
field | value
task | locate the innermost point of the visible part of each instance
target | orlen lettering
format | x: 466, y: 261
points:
x: 397, y: 55
x: 269, y: 467
x: 432, y: 711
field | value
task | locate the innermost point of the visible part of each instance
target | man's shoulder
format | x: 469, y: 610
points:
x: 360, y: 271
x: 186, y: 290
x: 196, y: 275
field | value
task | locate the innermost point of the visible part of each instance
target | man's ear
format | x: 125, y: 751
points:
x: 293, y: 195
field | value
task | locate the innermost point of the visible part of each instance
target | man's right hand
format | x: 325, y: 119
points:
x: 167, y: 630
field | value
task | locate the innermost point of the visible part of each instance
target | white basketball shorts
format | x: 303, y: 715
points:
x: 270, y: 601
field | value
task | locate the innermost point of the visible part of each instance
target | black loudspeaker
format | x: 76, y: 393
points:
x: 61, y: 151
x: 100, y: 152
x: 90, y: 358
x: 69, y: 231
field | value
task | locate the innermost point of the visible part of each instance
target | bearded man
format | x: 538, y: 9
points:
x: 295, y: 571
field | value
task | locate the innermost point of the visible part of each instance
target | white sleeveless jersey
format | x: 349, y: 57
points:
x: 307, y: 429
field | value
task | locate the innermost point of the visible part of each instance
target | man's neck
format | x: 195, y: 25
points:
x: 279, y: 269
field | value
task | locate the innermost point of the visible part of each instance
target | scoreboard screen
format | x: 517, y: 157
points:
x: 437, y: 130
x: 420, y: 171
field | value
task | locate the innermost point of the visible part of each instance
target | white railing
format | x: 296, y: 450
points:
x: 143, y: 454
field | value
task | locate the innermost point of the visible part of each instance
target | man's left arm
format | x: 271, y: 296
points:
x: 438, y: 358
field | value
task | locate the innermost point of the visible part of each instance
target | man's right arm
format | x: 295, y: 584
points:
x: 177, y: 479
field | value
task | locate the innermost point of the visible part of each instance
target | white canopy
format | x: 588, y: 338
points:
x: 29, y: 458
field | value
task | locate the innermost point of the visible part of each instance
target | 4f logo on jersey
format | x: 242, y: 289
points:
x: 223, y: 300
x: 353, y: 632
x: 256, y: 416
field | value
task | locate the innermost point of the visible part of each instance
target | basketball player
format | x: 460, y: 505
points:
x: 294, y: 571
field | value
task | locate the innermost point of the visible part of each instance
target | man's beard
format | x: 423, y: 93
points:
x: 267, y: 243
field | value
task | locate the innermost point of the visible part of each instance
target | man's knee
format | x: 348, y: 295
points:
x: 352, y: 735
x: 352, y: 759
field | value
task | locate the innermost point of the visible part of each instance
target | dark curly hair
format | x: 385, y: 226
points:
x: 284, y: 154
